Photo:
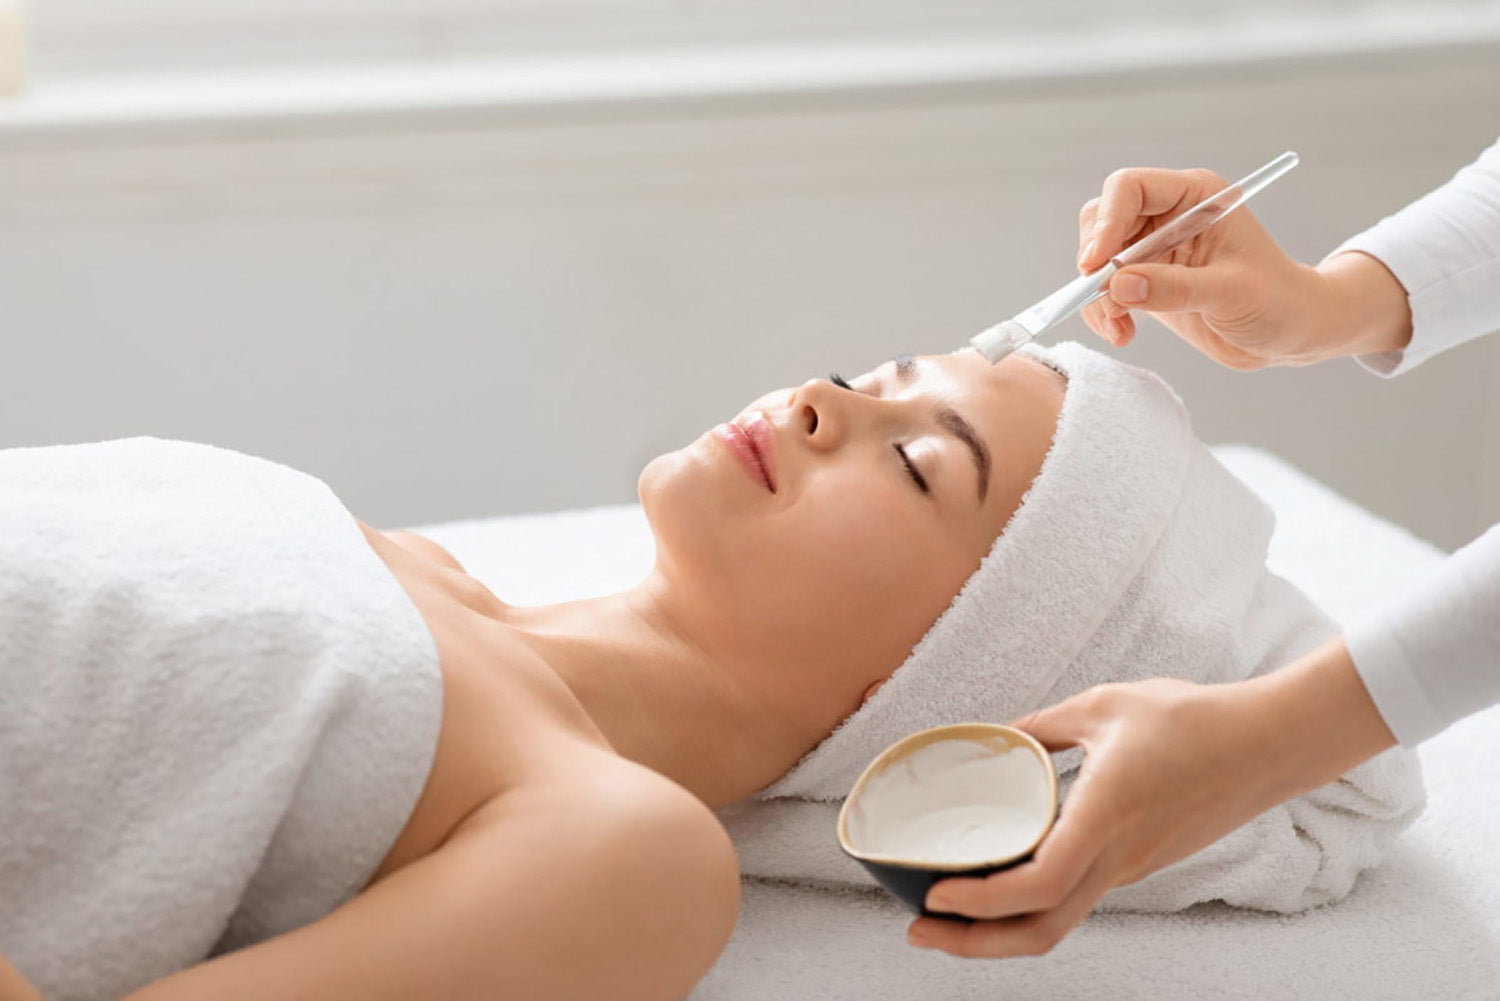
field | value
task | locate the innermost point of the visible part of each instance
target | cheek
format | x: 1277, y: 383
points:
x: 874, y: 540
x: 879, y: 570
x: 852, y: 566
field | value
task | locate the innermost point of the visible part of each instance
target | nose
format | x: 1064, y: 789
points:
x: 825, y: 413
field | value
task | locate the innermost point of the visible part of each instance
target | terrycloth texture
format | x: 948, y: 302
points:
x: 1424, y: 924
x: 1135, y: 554
x: 218, y: 711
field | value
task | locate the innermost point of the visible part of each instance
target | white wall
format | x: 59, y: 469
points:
x: 515, y: 315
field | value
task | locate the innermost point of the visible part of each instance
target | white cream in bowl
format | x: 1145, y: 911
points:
x: 953, y: 802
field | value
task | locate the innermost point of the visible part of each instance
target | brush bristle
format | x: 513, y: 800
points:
x: 1000, y: 340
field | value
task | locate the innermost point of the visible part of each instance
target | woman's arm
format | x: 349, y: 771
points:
x: 626, y: 889
x: 13, y: 986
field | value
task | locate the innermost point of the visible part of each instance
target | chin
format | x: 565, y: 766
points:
x: 677, y: 495
x: 660, y: 479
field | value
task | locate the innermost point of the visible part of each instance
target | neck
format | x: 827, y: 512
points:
x: 674, y: 701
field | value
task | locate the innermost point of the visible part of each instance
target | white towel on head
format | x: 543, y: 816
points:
x: 1134, y: 554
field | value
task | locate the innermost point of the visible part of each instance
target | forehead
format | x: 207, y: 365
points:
x: 1019, y: 397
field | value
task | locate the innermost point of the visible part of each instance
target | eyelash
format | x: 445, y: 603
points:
x: 911, y: 470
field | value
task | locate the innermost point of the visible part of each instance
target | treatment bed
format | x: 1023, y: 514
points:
x: 1426, y: 924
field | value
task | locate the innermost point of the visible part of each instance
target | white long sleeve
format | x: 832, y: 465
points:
x: 1444, y: 248
x: 1431, y: 655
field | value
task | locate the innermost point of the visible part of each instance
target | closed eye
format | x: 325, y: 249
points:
x: 911, y: 470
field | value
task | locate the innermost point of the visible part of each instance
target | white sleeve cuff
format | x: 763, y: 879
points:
x: 1388, y: 364
x: 1444, y: 249
x: 1393, y: 685
x: 1431, y: 654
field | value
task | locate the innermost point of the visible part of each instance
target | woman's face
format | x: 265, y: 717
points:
x: 825, y: 528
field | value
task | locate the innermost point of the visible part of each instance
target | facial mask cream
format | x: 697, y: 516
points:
x: 953, y: 801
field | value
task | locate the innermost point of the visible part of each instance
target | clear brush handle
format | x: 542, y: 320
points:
x: 1081, y: 291
x: 1180, y: 230
x: 1203, y: 215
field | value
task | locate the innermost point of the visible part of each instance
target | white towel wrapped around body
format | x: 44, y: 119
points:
x: 1135, y: 554
x: 217, y: 708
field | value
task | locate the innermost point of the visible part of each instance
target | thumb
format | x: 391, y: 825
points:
x: 1174, y: 288
x: 1059, y: 726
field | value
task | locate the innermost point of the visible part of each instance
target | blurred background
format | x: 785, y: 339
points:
x: 462, y: 258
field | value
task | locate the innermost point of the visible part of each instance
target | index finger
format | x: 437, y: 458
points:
x: 1031, y: 935
x: 1131, y: 198
x: 1062, y: 860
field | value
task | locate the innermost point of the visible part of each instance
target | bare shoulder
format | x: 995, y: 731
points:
x: 414, y: 543
x: 423, y: 546
x: 627, y: 860
x: 614, y: 804
x: 607, y: 881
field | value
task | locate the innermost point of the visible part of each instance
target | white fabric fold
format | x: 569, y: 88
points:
x: 1135, y: 554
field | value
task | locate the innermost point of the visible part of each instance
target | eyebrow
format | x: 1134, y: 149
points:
x: 953, y: 422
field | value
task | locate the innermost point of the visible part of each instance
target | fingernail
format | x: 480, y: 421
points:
x: 1087, y: 253
x: 940, y: 902
x: 918, y: 939
x: 1128, y: 288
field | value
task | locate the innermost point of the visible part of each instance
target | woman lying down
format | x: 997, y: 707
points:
x: 252, y: 748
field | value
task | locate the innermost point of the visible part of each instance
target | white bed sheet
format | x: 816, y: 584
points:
x: 1424, y: 925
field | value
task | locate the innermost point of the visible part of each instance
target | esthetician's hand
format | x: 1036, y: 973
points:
x: 13, y: 986
x: 1170, y: 768
x: 1232, y: 292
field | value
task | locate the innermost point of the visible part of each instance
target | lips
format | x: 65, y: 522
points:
x: 751, y: 440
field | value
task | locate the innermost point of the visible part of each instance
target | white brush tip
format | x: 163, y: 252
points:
x: 1000, y: 340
